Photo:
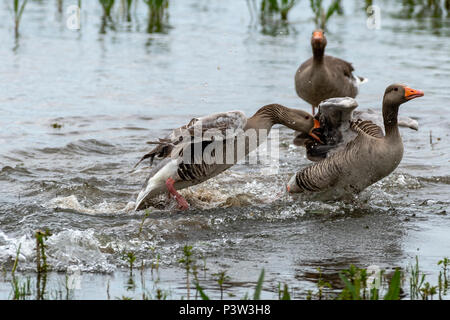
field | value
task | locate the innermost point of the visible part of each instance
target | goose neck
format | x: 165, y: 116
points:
x: 390, y: 118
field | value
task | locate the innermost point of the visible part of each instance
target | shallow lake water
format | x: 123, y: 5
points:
x: 112, y: 92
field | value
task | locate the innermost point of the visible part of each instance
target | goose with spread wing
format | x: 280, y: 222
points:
x: 335, y: 116
x: 201, y: 149
x: 367, y: 158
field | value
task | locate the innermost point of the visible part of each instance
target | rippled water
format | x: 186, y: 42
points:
x: 111, y: 93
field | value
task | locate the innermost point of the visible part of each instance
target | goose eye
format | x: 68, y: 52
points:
x: 395, y: 89
x: 307, y: 117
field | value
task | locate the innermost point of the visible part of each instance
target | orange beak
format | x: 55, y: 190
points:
x: 412, y: 93
x: 316, y: 125
x: 318, y: 35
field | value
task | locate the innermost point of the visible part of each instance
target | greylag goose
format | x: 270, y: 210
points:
x: 335, y: 116
x: 369, y: 157
x: 181, y: 168
x: 323, y: 77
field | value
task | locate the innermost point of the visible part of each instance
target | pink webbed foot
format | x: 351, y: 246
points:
x: 182, y: 203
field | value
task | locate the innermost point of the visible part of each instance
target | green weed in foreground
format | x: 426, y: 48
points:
x: 355, y: 283
x: 187, y: 263
x: 221, y: 278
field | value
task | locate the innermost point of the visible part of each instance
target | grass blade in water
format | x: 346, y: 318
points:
x: 394, y: 287
x: 257, y: 294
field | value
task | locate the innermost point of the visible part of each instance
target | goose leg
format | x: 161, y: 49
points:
x: 182, y: 203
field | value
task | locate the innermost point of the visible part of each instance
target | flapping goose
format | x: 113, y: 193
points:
x: 201, y: 149
x: 323, y: 77
x: 335, y: 116
x: 369, y: 157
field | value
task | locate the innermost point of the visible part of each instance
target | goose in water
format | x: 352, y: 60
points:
x: 369, y: 157
x: 201, y: 149
x: 335, y: 116
x: 323, y: 77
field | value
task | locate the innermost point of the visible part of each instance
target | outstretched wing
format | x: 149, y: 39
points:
x: 198, y: 130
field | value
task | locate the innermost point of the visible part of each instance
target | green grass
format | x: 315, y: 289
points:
x: 355, y: 283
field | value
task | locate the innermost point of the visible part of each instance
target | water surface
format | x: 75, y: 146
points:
x: 113, y: 92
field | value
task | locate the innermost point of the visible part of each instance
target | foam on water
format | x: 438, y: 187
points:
x: 10, y: 245
x: 77, y: 248
x: 64, y: 249
x: 72, y: 203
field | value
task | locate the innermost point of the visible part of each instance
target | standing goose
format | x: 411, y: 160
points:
x: 369, y: 157
x: 183, y: 166
x: 323, y: 77
x: 335, y: 116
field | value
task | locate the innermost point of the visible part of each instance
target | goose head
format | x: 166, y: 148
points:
x: 394, y: 96
x: 301, y: 121
x: 397, y: 94
x: 318, y: 42
x: 294, y: 119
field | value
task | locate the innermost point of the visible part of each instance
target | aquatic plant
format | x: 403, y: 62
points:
x: 284, y: 294
x: 269, y: 8
x: 19, y: 289
x: 56, y: 125
x: 322, y: 15
x: 258, y: 289
x: 18, y: 9
x: 356, y: 285
x: 141, y: 225
x: 41, y: 262
x: 416, y: 280
x: 203, y: 295
x: 272, y: 15
x: 157, y: 15
x: 221, y: 277
x: 443, y: 283
x: 187, y: 262
x: 428, y: 291
x: 394, y: 286
x: 130, y: 258
x: 107, y: 6
x: 321, y: 285
x: 353, y: 279
x: 126, y: 7
x: 16, y: 261
x: 425, y: 8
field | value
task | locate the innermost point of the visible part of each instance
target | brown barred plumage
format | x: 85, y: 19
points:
x: 367, y: 127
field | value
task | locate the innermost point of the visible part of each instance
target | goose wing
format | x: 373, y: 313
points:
x: 198, y: 130
x: 377, y: 118
x: 341, y: 66
x: 325, y: 174
x: 367, y: 127
x: 344, y: 68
